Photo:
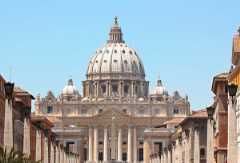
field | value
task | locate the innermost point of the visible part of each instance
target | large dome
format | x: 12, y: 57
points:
x: 115, y: 59
x: 115, y: 71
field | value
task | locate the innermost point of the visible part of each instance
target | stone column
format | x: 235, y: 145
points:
x: 166, y: 155
x: 95, y: 154
x: 45, y: 150
x: 81, y: 150
x: 110, y: 88
x: 38, y: 146
x: 158, y: 159
x: 196, y: 146
x: 119, y: 144
x: 52, y: 154
x: 135, y: 145
x: 232, y: 133
x: 105, y: 145
x: 120, y: 88
x: 129, y: 149
x: 169, y: 155
x: 161, y: 158
x: 174, y: 153
x: 90, y: 144
x: 65, y: 157
x: 132, y: 89
x: 98, y: 88
x: 107, y: 88
x: 8, y: 125
x: 62, y: 154
x: 57, y: 154
x: 26, y: 137
x: 146, y: 150
x: 210, y: 147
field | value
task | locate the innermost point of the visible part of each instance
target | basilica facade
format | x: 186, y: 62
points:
x: 114, y: 116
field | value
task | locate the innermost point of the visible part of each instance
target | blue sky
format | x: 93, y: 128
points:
x: 184, y: 42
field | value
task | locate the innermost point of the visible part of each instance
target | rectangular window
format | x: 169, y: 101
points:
x: 49, y: 109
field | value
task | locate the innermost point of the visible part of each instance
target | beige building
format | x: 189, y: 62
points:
x: 185, y: 138
x: 234, y: 105
x: 116, y: 116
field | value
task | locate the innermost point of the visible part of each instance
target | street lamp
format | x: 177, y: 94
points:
x: 232, y: 90
x: 210, y: 111
x: 9, y: 90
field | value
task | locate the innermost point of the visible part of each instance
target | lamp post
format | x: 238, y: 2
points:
x: 9, y: 90
x: 210, y: 111
x: 232, y: 124
x: 232, y: 90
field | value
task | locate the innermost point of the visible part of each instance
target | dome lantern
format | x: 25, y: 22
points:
x: 116, y: 35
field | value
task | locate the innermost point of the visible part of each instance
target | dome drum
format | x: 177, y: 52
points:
x: 115, y: 76
x: 115, y: 88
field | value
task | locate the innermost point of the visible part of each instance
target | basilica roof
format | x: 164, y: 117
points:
x: 115, y: 58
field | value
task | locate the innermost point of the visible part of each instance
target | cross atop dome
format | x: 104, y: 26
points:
x: 70, y: 82
x: 116, y: 35
x: 116, y: 20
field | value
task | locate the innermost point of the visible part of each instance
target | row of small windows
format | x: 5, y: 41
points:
x: 115, y: 51
x: 141, y: 111
x: 115, y: 61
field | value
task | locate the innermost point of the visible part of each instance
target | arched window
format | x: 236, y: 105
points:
x: 49, y: 109
x: 103, y: 88
x: 114, y: 89
x: 126, y: 90
x: 135, y: 68
x: 202, y: 152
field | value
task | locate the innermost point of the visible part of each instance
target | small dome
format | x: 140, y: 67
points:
x: 70, y: 89
x: 159, y: 89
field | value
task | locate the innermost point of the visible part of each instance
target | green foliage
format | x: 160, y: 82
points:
x: 14, y: 157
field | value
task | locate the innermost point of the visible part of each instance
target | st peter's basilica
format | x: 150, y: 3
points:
x: 116, y: 114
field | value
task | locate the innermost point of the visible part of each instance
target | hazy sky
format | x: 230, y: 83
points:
x: 185, y: 42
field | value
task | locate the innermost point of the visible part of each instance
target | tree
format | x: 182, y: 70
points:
x: 14, y: 157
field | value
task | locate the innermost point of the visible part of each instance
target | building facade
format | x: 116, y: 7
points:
x: 116, y: 113
x: 220, y: 117
x: 2, y: 109
x: 186, y: 140
x: 234, y: 109
x: 21, y: 111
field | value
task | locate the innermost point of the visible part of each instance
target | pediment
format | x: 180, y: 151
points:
x: 109, y: 116
x: 109, y: 113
